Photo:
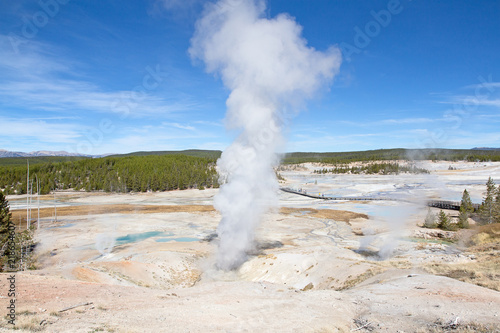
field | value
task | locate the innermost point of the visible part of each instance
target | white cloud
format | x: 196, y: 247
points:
x: 212, y: 145
x: 150, y: 138
x: 45, y: 104
x: 328, y: 143
x: 489, y: 117
x: 33, y: 79
x: 469, y: 100
x: 486, y: 93
x: 39, y: 130
x: 210, y: 123
x: 408, y: 121
x: 180, y: 126
x: 180, y: 10
x: 176, y: 4
x: 151, y: 142
x: 470, y: 139
x: 485, y: 86
x: 401, y: 121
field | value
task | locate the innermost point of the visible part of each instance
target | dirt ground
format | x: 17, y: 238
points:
x: 145, y: 262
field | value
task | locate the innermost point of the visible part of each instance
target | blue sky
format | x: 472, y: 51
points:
x: 115, y: 76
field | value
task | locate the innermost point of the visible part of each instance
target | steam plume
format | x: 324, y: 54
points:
x: 270, y: 70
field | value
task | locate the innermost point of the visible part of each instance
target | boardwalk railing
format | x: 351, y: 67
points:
x: 443, y: 204
x: 454, y: 205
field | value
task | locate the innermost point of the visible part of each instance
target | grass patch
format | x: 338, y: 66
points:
x: 118, y: 208
x: 484, y: 244
x: 96, y: 329
x: 26, y: 313
x: 332, y: 214
x: 25, y: 320
x: 458, y: 327
x: 103, y: 328
x: 486, y: 237
x: 482, y: 272
x: 354, y: 281
x: 445, y: 241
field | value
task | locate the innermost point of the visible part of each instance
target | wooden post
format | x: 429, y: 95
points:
x: 55, y: 206
x: 38, y: 197
x: 27, y: 193
x: 31, y: 201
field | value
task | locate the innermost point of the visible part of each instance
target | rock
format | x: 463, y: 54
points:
x: 308, y: 287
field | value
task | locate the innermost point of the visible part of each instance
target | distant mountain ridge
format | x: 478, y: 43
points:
x: 47, y: 153
x: 485, y: 148
x: 190, y: 152
x: 6, y: 153
x: 382, y: 154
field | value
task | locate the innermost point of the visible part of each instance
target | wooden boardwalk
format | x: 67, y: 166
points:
x: 443, y: 204
x: 314, y: 196
x: 453, y: 205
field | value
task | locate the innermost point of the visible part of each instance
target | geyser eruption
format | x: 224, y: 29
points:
x: 269, y: 70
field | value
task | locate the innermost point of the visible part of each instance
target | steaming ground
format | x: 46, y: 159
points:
x: 146, y: 261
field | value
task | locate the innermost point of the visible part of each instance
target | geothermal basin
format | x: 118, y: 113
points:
x: 146, y: 262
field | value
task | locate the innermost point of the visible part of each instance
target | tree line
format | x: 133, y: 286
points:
x: 470, y: 155
x: 373, y: 168
x: 488, y: 212
x: 114, y: 174
x: 20, y: 161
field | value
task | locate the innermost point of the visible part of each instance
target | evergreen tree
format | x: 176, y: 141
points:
x: 21, y: 189
x: 496, y: 206
x: 487, y: 207
x: 466, y: 209
x: 463, y: 219
x: 24, y: 246
x: 466, y: 202
x: 23, y: 241
x: 5, y: 217
x: 443, y: 221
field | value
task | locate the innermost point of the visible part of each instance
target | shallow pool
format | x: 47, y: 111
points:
x: 132, y: 238
x: 67, y: 225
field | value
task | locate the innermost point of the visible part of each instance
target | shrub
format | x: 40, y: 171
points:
x: 444, y: 222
